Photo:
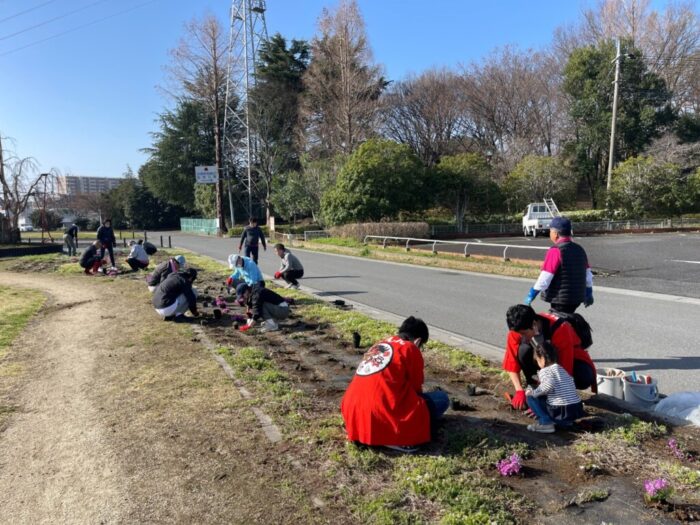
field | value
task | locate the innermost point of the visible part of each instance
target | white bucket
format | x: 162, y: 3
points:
x: 610, y: 383
x: 641, y: 394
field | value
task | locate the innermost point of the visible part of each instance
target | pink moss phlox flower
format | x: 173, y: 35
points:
x: 657, y: 489
x: 676, y: 450
x: 509, y: 466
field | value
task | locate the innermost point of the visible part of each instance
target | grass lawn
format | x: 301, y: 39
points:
x: 17, y: 306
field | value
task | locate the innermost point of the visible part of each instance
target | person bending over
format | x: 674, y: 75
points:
x: 244, y: 269
x: 90, y: 260
x: 161, y: 272
x: 555, y: 401
x: 291, y: 269
x: 174, y: 296
x: 263, y: 305
x: 138, y: 258
x: 523, y: 326
x: 384, y: 405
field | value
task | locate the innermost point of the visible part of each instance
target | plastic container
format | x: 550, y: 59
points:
x: 644, y: 393
x: 610, y: 382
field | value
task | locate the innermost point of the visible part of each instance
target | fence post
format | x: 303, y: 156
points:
x: 384, y: 243
x: 161, y: 241
x: 466, y: 249
x: 407, y: 247
x: 120, y: 234
x: 145, y: 236
x: 133, y: 234
x: 434, y: 250
x: 170, y: 244
x: 504, y: 254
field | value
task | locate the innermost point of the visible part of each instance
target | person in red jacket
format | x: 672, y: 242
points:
x: 524, y: 325
x: 384, y: 404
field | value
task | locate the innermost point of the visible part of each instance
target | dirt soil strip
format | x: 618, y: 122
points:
x: 272, y: 431
x: 122, y: 418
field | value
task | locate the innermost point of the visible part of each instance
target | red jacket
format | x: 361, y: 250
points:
x: 564, y: 339
x: 383, y: 403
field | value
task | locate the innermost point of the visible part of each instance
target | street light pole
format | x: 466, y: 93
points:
x: 614, y: 115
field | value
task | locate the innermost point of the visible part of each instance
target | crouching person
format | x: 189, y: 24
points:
x: 555, y: 401
x: 291, y: 268
x: 524, y: 326
x: 263, y: 305
x: 138, y: 258
x: 384, y: 404
x: 90, y: 260
x: 174, y: 296
x: 161, y: 272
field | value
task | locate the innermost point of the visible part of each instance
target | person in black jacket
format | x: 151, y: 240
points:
x: 263, y: 304
x: 105, y: 234
x: 161, y: 272
x: 566, y: 279
x: 90, y: 261
x: 251, y: 236
x: 174, y: 296
x: 70, y: 239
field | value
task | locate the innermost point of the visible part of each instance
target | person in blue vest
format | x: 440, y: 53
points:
x: 566, y: 279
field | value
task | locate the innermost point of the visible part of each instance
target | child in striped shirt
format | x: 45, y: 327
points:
x: 555, y: 401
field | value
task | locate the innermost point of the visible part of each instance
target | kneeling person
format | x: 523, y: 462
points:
x: 161, y: 272
x: 384, y: 404
x: 263, y: 304
x: 555, y: 401
x: 291, y: 268
x: 89, y: 260
x: 174, y: 296
x: 525, y: 325
x: 138, y: 258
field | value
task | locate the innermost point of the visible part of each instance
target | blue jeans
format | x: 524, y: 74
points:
x: 539, y: 408
x: 438, y: 402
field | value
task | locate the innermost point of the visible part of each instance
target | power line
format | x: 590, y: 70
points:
x: 77, y: 28
x: 45, y: 22
x: 26, y: 11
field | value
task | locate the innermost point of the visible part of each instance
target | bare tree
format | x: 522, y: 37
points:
x: 342, y: 84
x: 19, y: 179
x: 514, y: 106
x: 199, y: 70
x: 668, y: 39
x: 427, y: 113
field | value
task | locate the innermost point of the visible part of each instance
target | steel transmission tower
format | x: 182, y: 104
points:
x: 248, y: 30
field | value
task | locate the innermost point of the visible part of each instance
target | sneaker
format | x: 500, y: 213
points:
x: 295, y: 286
x: 270, y: 326
x: 169, y: 318
x: 288, y: 286
x: 403, y: 449
x: 542, y: 429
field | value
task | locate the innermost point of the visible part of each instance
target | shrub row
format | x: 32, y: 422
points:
x: 395, y: 229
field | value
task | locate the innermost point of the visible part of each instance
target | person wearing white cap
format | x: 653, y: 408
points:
x: 172, y: 265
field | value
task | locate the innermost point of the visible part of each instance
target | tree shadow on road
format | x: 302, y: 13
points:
x: 666, y: 363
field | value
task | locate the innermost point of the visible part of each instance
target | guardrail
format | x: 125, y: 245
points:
x: 466, y: 244
x: 315, y: 234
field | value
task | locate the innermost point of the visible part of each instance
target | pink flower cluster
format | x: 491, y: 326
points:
x: 657, y: 489
x: 677, y: 451
x: 510, y: 466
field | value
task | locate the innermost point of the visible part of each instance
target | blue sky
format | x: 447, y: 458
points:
x: 86, y: 101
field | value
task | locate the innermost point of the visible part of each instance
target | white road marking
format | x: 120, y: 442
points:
x: 689, y: 262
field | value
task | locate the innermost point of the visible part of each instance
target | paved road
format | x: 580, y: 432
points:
x: 660, y: 262
x: 632, y: 330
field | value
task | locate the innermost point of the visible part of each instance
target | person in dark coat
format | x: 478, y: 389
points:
x: 174, y: 296
x: 566, y: 279
x: 263, y: 305
x: 89, y: 260
x: 161, y: 272
x: 70, y: 238
x: 105, y: 234
x: 251, y: 237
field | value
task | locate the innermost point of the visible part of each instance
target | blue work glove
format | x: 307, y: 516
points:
x: 531, y: 296
x: 589, y: 297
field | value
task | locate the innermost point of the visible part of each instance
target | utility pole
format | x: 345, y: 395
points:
x: 614, y: 114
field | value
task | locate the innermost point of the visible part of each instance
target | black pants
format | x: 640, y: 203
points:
x: 291, y: 276
x: 252, y: 251
x: 583, y: 373
x: 111, y: 252
x: 564, y: 308
x: 136, y: 265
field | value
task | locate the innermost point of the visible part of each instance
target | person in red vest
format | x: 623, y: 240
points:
x: 384, y: 404
x: 523, y: 326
